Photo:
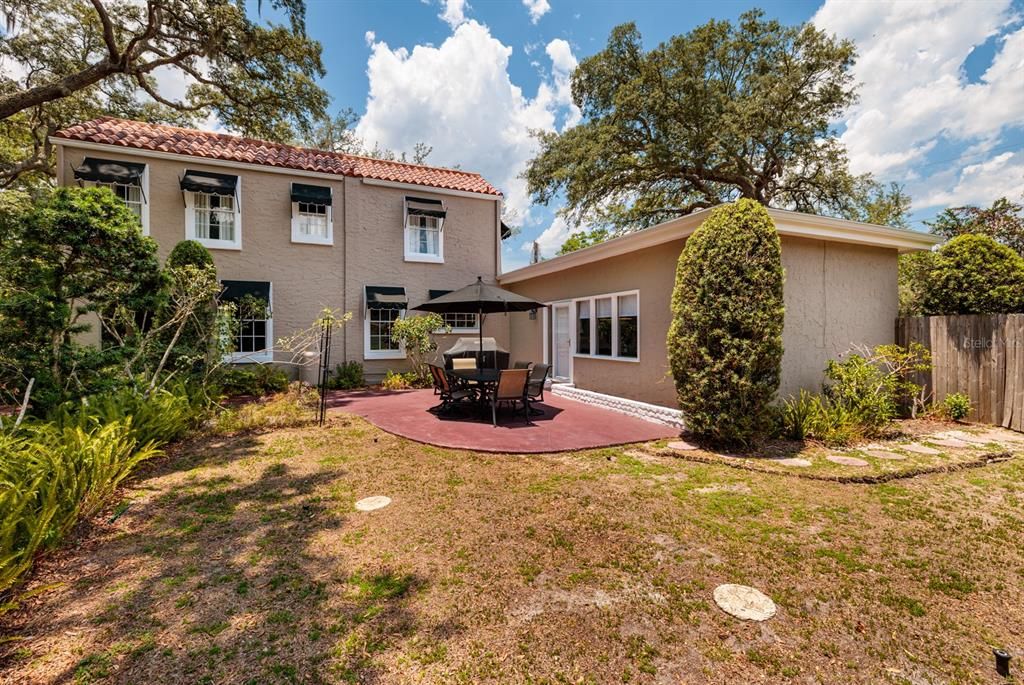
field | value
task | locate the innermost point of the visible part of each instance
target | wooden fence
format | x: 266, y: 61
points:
x: 981, y: 356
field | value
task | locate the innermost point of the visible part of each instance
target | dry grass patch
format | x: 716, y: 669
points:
x: 240, y: 559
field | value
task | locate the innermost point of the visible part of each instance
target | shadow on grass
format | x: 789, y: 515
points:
x: 220, y: 579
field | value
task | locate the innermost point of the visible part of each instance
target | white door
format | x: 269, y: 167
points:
x: 562, y: 342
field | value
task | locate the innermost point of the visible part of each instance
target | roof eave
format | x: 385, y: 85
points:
x: 788, y: 223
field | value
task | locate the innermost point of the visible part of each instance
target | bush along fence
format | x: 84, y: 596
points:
x: 981, y: 356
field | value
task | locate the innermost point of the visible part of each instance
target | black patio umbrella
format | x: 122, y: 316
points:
x: 481, y: 298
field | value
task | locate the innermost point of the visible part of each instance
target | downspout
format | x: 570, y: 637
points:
x: 344, y: 267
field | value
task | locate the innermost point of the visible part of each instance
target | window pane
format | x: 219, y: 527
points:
x: 628, y: 326
x: 423, y: 236
x: 604, y: 326
x: 380, y: 329
x: 583, y: 327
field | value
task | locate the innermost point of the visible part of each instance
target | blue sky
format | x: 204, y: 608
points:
x: 942, y: 85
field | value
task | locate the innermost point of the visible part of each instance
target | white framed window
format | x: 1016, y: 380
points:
x: 213, y: 213
x: 608, y: 326
x: 377, y: 334
x: 461, y: 322
x: 384, y: 305
x: 456, y: 322
x: 424, y: 229
x: 132, y: 189
x: 423, y: 240
x: 130, y: 195
x: 253, y: 337
x: 215, y: 220
x: 312, y: 223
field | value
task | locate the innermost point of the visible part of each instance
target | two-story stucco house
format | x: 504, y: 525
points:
x: 305, y: 229
x: 302, y: 229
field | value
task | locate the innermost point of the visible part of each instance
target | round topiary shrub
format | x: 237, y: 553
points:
x: 973, y: 274
x: 725, y: 340
x: 189, y: 253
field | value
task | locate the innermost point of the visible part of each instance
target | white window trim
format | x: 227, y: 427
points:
x: 298, y: 237
x: 144, y: 184
x: 615, y: 326
x: 267, y: 355
x: 369, y: 354
x: 190, y: 222
x: 416, y: 256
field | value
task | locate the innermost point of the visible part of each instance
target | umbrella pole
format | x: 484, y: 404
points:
x: 480, y: 332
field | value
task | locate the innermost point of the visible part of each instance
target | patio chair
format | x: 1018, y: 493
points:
x: 535, y: 386
x: 450, y: 394
x: 511, y: 388
x: 463, y: 363
x: 521, y: 365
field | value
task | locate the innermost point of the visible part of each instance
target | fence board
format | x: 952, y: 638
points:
x: 981, y: 356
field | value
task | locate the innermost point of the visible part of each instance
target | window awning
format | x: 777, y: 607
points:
x: 314, y: 195
x: 237, y: 291
x: 421, y: 206
x: 209, y: 182
x: 386, y: 297
x: 437, y: 293
x: 110, y: 171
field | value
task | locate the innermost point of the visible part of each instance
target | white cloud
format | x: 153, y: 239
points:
x: 459, y: 99
x: 915, y: 94
x: 976, y: 181
x: 369, y: 37
x: 552, y: 237
x: 537, y: 9
x: 454, y: 12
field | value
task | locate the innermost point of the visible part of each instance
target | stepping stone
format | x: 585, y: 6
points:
x: 885, y: 454
x: 793, y: 461
x: 918, y: 448
x: 371, y: 503
x: 743, y: 602
x: 967, y: 437
x: 846, y: 461
x: 951, y: 442
x: 682, y: 445
x: 1001, y: 436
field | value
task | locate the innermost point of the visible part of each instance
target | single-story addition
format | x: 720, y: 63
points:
x: 605, y: 329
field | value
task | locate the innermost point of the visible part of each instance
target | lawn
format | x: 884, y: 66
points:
x: 241, y: 559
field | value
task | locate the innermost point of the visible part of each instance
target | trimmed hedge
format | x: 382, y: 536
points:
x: 973, y: 274
x: 725, y: 341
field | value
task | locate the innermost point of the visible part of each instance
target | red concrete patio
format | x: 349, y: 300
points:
x: 565, y: 425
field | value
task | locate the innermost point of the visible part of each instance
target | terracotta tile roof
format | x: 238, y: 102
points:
x: 185, y: 141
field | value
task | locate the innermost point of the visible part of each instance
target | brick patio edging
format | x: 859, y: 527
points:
x: 639, y: 410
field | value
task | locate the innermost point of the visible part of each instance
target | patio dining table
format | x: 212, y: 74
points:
x: 481, y: 379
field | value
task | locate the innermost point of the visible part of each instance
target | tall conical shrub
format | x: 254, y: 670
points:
x: 725, y: 341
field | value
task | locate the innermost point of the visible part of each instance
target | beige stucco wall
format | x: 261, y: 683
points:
x: 836, y: 295
x: 368, y: 246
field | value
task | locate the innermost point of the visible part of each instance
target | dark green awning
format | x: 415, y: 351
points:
x: 438, y: 293
x: 421, y: 206
x: 209, y: 182
x: 110, y: 171
x: 236, y: 291
x: 314, y: 195
x: 386, y: 297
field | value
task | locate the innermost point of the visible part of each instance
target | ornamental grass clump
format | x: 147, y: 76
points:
x: 725, y: 341
x: 52, y: 477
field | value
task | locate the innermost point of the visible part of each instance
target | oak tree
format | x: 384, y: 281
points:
x: 172, y: 61
x: 725, y: 111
